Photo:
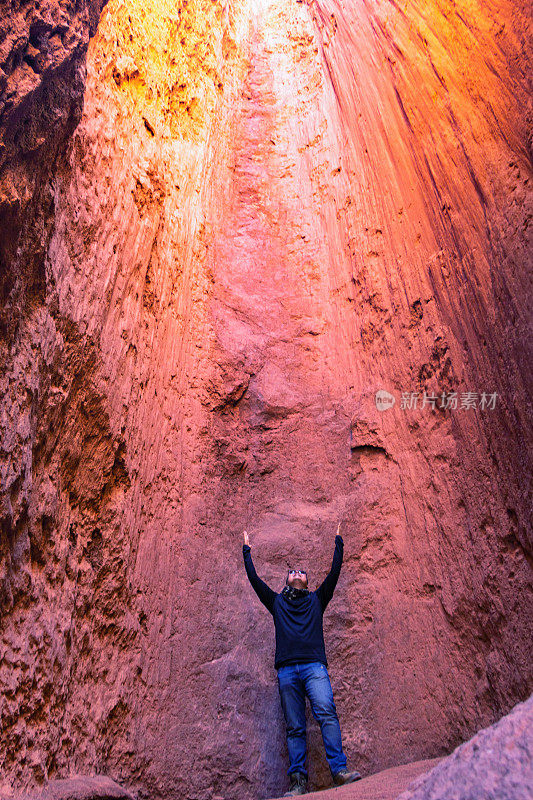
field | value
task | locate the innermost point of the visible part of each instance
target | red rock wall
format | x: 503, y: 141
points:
x: 42, y: 81
x: 268, y: 212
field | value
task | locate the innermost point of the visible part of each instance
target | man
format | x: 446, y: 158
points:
x: 301, y: 665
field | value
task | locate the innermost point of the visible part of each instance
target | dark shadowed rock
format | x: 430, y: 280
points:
x: 42, y: 78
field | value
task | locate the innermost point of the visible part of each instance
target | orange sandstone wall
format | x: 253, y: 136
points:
x: 268, y: 212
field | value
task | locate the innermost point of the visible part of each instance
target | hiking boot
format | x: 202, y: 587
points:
x: 298, y: 784
x: 343, y: 776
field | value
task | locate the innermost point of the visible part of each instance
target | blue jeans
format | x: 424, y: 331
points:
x: 295, y: 681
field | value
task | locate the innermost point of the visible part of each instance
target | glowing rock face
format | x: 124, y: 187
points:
x: 269, y: 213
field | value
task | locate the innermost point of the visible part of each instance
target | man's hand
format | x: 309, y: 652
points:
x: 246, y: 539
x: 338, y: 528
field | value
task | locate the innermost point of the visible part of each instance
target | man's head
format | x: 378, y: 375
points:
x: 297, y: 578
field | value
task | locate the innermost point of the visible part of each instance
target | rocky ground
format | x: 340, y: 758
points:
x: 496, y: 764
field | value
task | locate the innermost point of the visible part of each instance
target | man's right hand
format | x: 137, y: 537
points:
x: 246, y: 539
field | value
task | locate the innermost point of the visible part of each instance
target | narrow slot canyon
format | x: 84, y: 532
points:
x: 264, y: 266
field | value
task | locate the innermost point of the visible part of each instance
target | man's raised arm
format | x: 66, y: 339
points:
x: 327, y: 587
x: 264, y: 592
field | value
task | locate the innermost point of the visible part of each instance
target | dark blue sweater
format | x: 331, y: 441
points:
x: 298, y: 623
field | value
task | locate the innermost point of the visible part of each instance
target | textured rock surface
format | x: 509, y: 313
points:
x: 269, y: 211
x: 81, y: 787
x: 42, y: 79
x: 496, y: 764
x: 384, y: 785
